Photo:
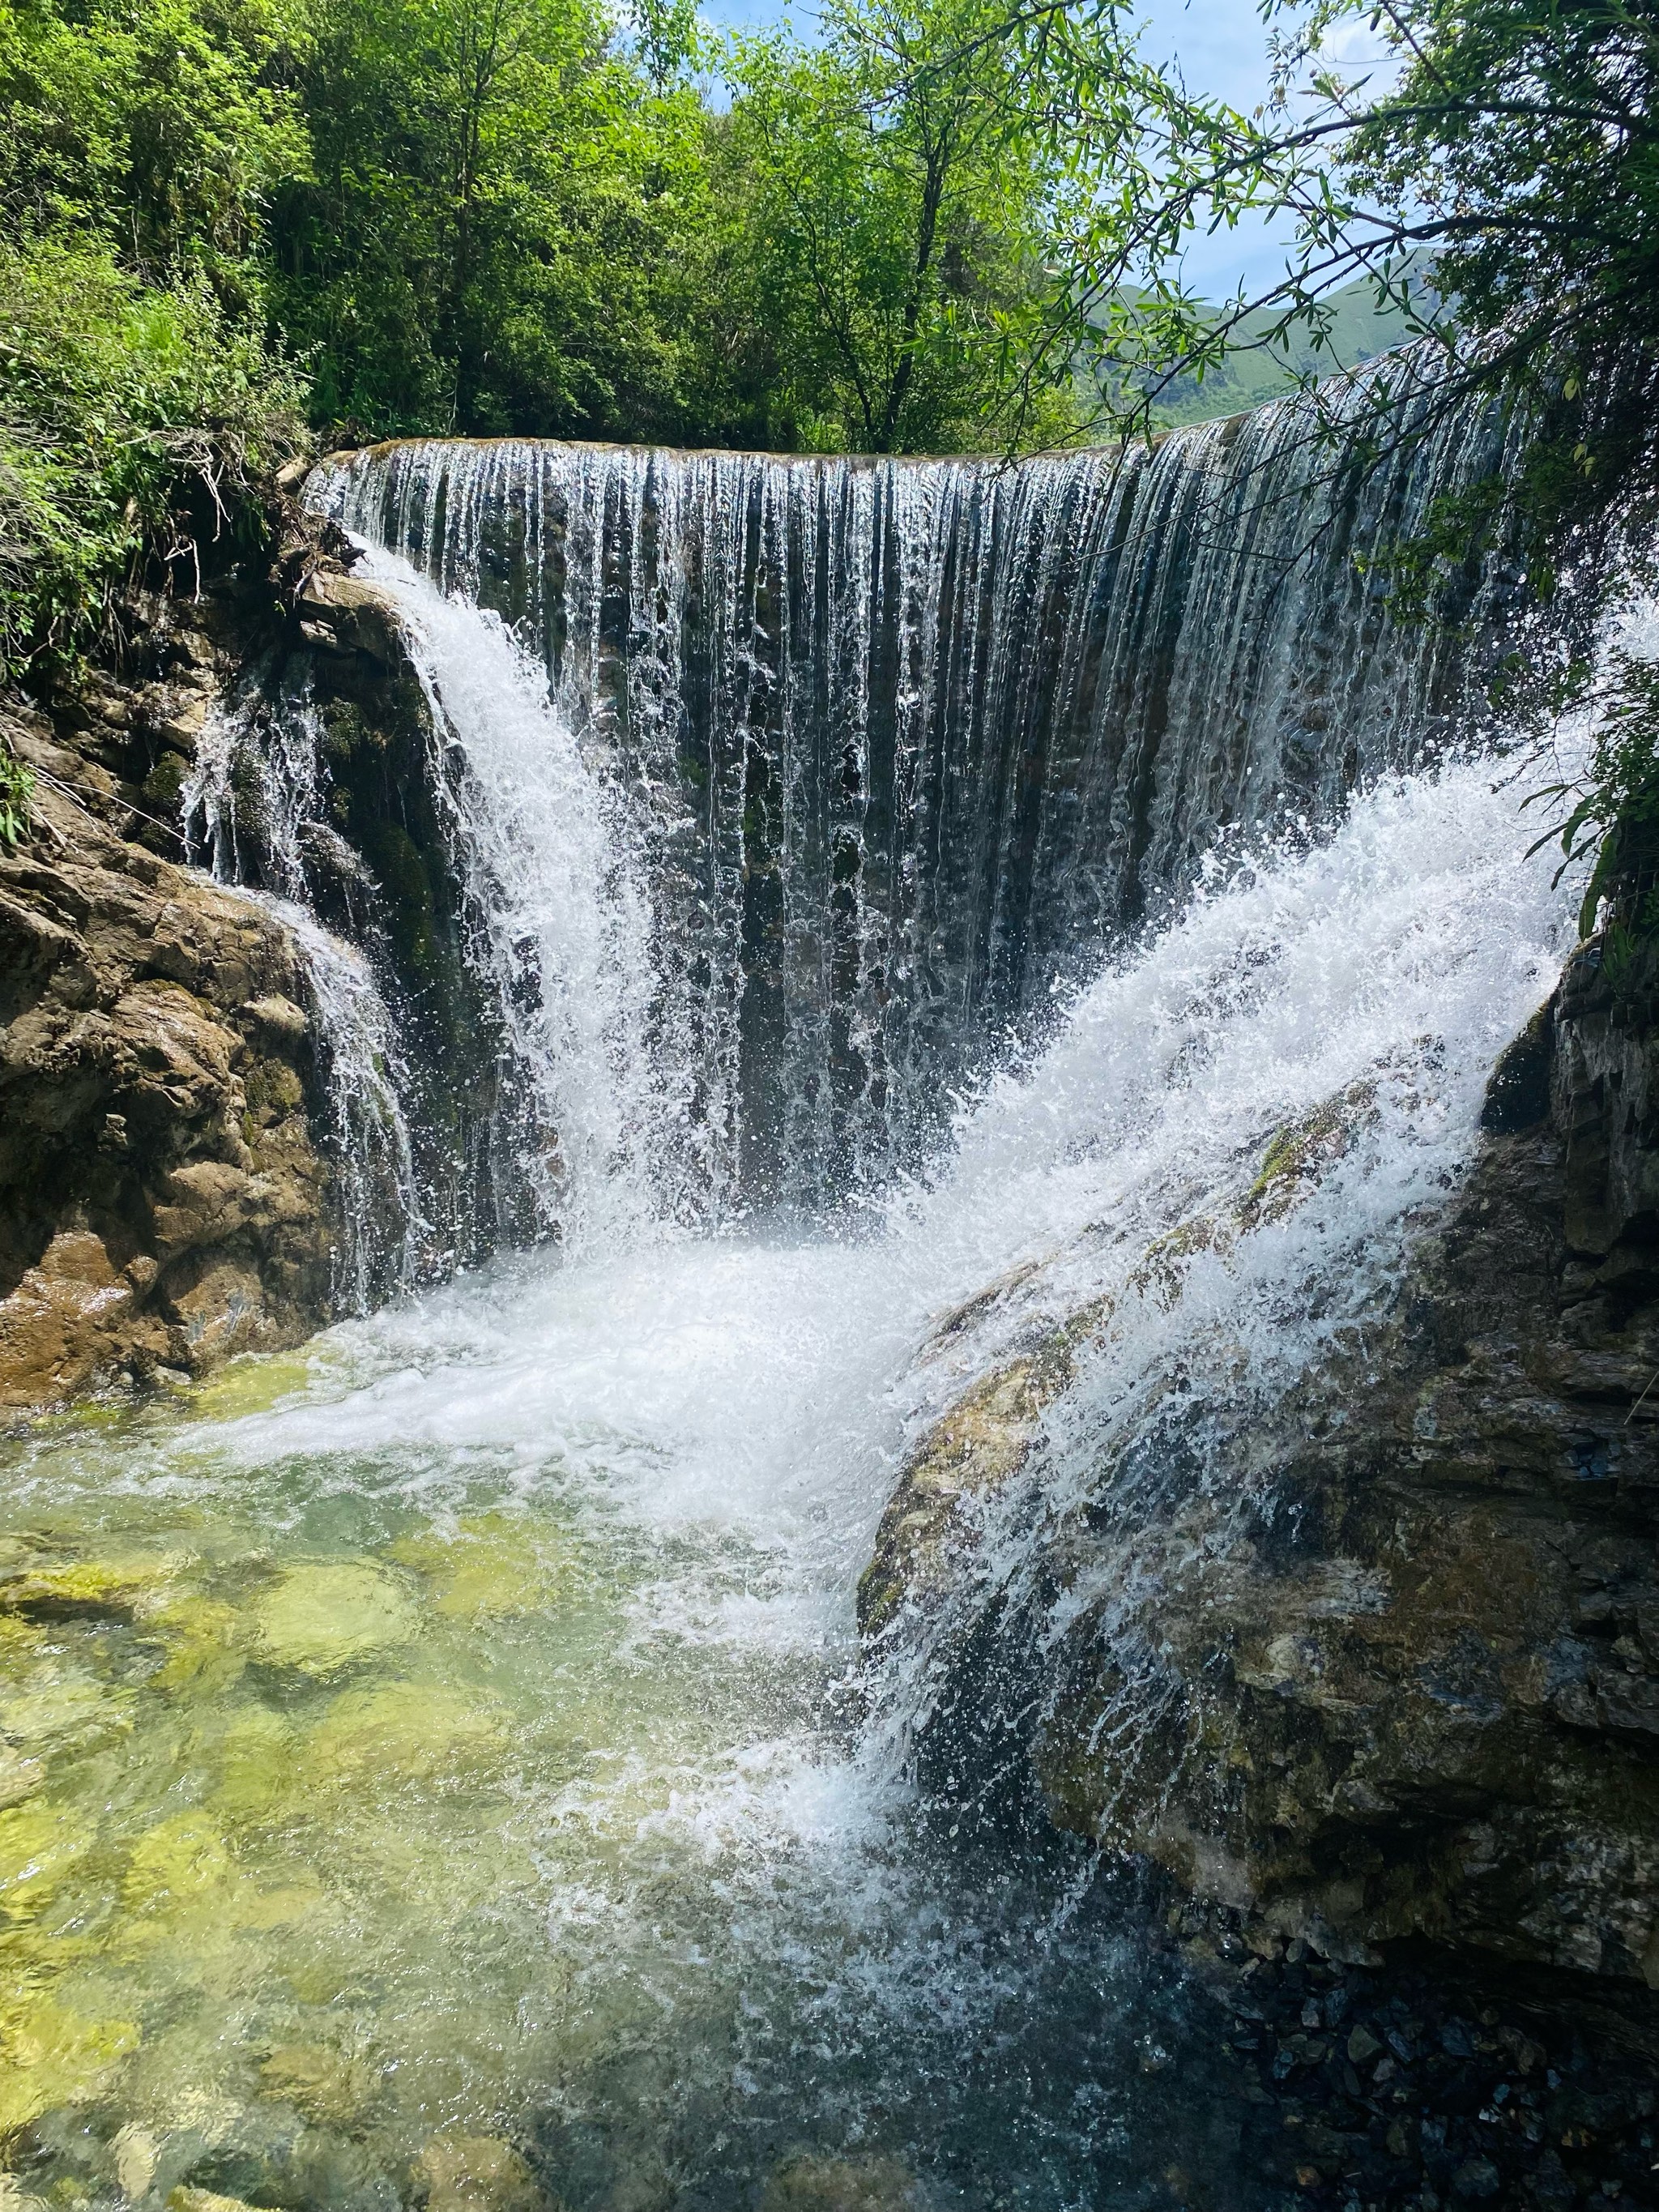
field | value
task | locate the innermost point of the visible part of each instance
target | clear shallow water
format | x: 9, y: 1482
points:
x: 455, y: 1732
x: 422, y: 1756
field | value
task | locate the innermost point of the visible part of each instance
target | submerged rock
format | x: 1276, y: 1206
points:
x: 492, y: 1567
x: 323, y: 1617
x: 52, y: 2055
x: 185, y: 2199
x: 476, y: 2173
x: 320, y: 2083
x: 840, y: 2185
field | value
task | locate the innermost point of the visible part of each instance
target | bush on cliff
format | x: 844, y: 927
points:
x: 132, y: 416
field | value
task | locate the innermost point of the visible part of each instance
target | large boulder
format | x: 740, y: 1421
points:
x: 1391, y: 1669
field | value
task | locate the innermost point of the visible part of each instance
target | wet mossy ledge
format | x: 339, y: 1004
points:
x: 1386, y: 1683
x: 169, y: 1192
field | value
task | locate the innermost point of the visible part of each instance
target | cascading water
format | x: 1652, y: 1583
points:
x: 608, y: 1124
x: 498, y: 1779
x: 272, y: 751
x: 904, y: 746
x: 504, y: 1806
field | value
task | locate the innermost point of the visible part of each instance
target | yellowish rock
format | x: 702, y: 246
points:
x: 137, y: 2153
x: 840, y: 2185
x: 70, y: 1713
x: 324, y: 2085
x: 402, y: 1730
x: 493, y: 1567
x: 175, y: 1864
x: 326, y: 1616
x: 49, y: 2056
x: 256, y: 1768
x: 206, y: 2200
x: 287, y: 1907
x: 476, y: 2173
x: 39, y: 1846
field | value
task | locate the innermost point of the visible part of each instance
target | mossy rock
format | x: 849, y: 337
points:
x: 89, y: 1588
x: 50, y: 2056
x: 1300, y: 1153
x: 840, y: 2185
x: 40, y: 1844
x: 203, y: 1643
x: 174, y: 1864
x: 319, y: 2082
x: 493, y: 1567
x: 476, y: 2173
x: 399, y: 1731
x: 323, y: 1618
x: 256, y: 1756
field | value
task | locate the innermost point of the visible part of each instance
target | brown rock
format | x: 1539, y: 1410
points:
x: 341, y: 615
x: 149, y: 1216
x: 477, y: 2173
x: 840, y: 2185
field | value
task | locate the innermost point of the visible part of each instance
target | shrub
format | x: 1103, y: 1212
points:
x: 132, y: 416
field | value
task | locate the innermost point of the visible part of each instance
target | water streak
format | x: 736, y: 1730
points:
x: 599, y: 1121
x: 264, y: 757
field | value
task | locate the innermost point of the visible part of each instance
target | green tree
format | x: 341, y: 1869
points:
x: 140, y: 406
x: 901, y: 194
x: 159, y: 129
x: 1495, y: 177
x: 503, y: 226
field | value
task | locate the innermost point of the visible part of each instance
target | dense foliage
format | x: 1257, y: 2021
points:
x: 482, y: 215
x: 129, y: 414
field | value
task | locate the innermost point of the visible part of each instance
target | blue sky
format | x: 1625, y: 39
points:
x: 1221, y: 48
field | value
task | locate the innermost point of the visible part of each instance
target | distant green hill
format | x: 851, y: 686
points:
x: 1358, y: 333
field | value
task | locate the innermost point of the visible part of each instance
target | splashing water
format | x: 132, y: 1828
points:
x: 559, y: 926
x: 448, y: 1733
x: 271, y: 750
x: 265, y: 755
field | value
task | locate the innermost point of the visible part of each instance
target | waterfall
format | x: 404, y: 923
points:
x: 604, y: 1127
x: 256, y: 780
x: 905, y: 746
x: 256, y: 787
x: 1203, y: 1194
x: 1081, y: 871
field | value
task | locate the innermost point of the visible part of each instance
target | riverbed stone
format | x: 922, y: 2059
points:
x: 813, y: 2183
x: 318, y: 2081
x: 476, y: 2173
x: 53, y: 2055
x: 321, y: 1617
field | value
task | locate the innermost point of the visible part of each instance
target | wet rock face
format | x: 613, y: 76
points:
x: 165, y: 1199
x: 369, y: 845
x: 1415, y: 1693
x: 161, y: 1203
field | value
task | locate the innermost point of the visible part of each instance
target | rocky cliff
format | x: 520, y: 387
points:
x: 162, y: 1199
x: 1413, y: 1693
x: 167, y: 1191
